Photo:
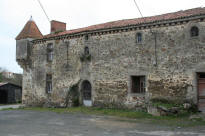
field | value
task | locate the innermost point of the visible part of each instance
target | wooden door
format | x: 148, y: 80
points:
x: 201, y: 93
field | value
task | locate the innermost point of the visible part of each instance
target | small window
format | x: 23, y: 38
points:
x: 50, y: 56
x: 139, y: 37
x: 50, y: 47
x: 194, y: 31
x: 86, y: 37
x: 86, y: 51
x: 48, y: 83
x: 138, y: 84
x: 50, y: 52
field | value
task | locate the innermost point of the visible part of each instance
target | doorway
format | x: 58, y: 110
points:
x: 3, y: 97
x: 86, y: 93
x: 201, y: 91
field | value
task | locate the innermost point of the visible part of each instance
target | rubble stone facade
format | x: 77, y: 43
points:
x: 163, y: 58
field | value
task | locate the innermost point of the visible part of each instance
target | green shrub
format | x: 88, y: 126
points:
x: 73, y: 95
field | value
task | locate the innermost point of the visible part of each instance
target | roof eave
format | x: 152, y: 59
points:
x: 187, y: 18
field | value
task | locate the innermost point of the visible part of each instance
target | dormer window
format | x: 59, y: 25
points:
x: 139, y: 37
x: 194, y: 31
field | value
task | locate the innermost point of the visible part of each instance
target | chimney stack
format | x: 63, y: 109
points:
x: 57, y: 26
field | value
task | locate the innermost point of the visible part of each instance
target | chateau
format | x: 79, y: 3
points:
x: 122, y: 64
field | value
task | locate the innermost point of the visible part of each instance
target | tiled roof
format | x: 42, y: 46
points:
x: 136, y: 21
x: 30, y: 30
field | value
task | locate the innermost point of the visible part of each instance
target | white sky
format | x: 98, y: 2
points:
x: 76, y: 13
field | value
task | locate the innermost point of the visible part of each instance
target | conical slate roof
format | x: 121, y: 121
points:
x: 30, y: 30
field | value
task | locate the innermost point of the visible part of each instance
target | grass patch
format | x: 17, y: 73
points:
x: 95, y: 111
x: 181, y: 120
x: 9, y: 104
x: 167, y: 105
x: 5, y: 109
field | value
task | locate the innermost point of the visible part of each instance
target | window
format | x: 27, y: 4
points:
x: 50, y: 46
x: 138, y: 84
x: 139, y: 37
x: 50, y: 52
x: 86, y: 51
x: 86, y: 37
x: 194, y: 31
x: 48, y: 83
x: 50, y: 56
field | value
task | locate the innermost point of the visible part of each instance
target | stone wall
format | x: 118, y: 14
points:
x: 168, y: 63
x: 110, y: 93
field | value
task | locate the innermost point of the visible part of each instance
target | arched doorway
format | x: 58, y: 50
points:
x: 86, y: 93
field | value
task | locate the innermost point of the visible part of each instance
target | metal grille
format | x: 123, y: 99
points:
x: 138, y: 84
x: 48, y: 83
x: 86, y: 89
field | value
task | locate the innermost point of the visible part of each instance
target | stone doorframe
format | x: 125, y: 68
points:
x: 199, y: 69
x: 81, y: 93
x: 196, y: 87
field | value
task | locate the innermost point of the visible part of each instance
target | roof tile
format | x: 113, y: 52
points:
x: 30, y: 30
x: 136, y: 21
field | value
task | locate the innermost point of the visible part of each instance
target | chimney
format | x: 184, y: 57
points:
x: 57, y: 26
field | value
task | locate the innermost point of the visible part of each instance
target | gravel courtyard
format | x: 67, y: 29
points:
x: 36, y: 123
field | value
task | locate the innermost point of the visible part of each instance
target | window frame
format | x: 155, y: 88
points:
x: 49, y: 56
x: 86, y: 37
x: 50, y: 52
x: 49, y: 84
x: 141, y: 80
x: 194, y: 31
x: 86, y: 51
x: 139, y: 37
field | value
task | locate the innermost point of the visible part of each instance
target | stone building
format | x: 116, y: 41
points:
x: 123, y: 64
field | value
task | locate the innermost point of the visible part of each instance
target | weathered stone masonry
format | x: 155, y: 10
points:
x: 167, y: 56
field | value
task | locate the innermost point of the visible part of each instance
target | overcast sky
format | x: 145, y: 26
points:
x: 76, y: 13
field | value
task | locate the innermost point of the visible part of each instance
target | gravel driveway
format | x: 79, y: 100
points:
x: 36, y: 123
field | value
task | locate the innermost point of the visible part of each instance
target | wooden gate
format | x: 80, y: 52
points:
x: 201, y: 92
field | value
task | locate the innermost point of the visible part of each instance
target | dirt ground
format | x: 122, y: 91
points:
x: 36, y: 123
